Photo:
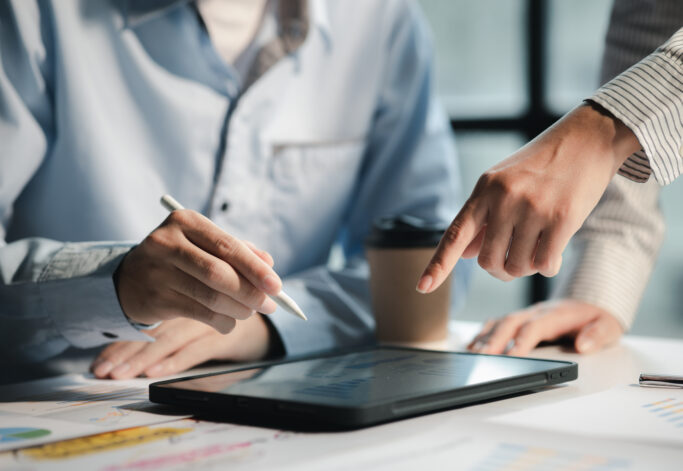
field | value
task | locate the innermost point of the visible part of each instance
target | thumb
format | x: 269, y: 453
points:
x: 597, y: 334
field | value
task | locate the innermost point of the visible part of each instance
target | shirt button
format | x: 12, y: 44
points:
x: 109, y: 335
x: 225, y: 206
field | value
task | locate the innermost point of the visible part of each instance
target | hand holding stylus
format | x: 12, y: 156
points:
x: 189, y: 267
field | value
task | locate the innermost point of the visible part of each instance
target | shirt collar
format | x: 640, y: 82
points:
x: 320, y: 18
x: 137, y: 12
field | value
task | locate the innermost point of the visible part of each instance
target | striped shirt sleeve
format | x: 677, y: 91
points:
x: 648, y: 98
x: 614, y: 253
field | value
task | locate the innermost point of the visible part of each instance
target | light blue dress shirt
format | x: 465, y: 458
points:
x: 106, y: 105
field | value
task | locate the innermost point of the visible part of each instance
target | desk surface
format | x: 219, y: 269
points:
x: 465, y: 438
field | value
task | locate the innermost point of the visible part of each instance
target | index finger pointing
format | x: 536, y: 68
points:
x: 455, y: 240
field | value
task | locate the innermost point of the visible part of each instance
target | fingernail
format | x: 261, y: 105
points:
x: 424, y: 284
x: 155, y: 370
x: 121, y: 369
x: 585, y: 345
x: 271, y: 284
x: 268, y: 307
x: 103, y: 368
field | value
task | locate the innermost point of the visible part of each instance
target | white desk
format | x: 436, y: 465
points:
x: 465, y: 438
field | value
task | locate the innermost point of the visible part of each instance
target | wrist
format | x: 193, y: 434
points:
x: 617, y: 139
x: 137, y: 323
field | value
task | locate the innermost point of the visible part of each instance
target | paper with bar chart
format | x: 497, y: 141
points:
x: 189, y: 444
x: 70, y: 406
x: 625, y: 412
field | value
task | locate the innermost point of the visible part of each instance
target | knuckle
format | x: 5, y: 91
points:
x: 158, y: 239
x: 452, y: 234
x: 227, y: 248
x: 500, y: 185
x: 180, y: 217
x: 562, y: 212
x: 201, y: 314
x: 486, y: 261
x: 212, y: 299
x: 212, y: 272
x: 487, y: 180
x: 531, y: 205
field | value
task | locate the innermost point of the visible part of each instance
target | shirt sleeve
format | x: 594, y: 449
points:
x: 409, y: 168
x: 614, y: 253
x: 52, y: 294
x: 648, y: 98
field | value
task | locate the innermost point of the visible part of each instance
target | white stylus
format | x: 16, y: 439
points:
x: 284, y: 301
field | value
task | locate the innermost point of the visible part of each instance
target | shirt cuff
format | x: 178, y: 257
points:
x: 647, y: 99
x: 336, y: 319
x: 77, y: 291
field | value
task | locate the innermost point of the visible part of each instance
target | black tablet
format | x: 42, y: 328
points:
x: 358, y: 388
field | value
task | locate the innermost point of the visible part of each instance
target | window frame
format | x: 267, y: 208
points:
x: 536, y: 117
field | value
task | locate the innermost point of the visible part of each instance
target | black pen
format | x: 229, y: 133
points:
x: 661, y: 381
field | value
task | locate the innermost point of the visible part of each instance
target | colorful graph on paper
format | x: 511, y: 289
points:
x: 669, y: 410
x: 71, y: 406
x: 624, y: 412
x: 15, y: 434
x: 511, y: 456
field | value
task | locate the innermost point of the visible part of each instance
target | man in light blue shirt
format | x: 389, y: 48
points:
x: 106, y: 105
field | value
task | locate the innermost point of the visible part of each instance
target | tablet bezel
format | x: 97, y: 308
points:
x: 283, y: 413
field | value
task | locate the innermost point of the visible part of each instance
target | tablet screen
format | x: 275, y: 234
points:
x: 367, y: 377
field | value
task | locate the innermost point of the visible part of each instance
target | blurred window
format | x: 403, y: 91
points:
x: 469, y: 41
x: 507, y: 69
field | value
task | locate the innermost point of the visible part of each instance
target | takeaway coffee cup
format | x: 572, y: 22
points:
x: 398, y: 249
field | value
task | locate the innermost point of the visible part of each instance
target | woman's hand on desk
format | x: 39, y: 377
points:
x: 189, y: 267
x: 180, y: 345
x: 590, y: 327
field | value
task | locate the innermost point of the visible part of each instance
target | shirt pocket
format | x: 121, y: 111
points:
x: 311, y: 186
